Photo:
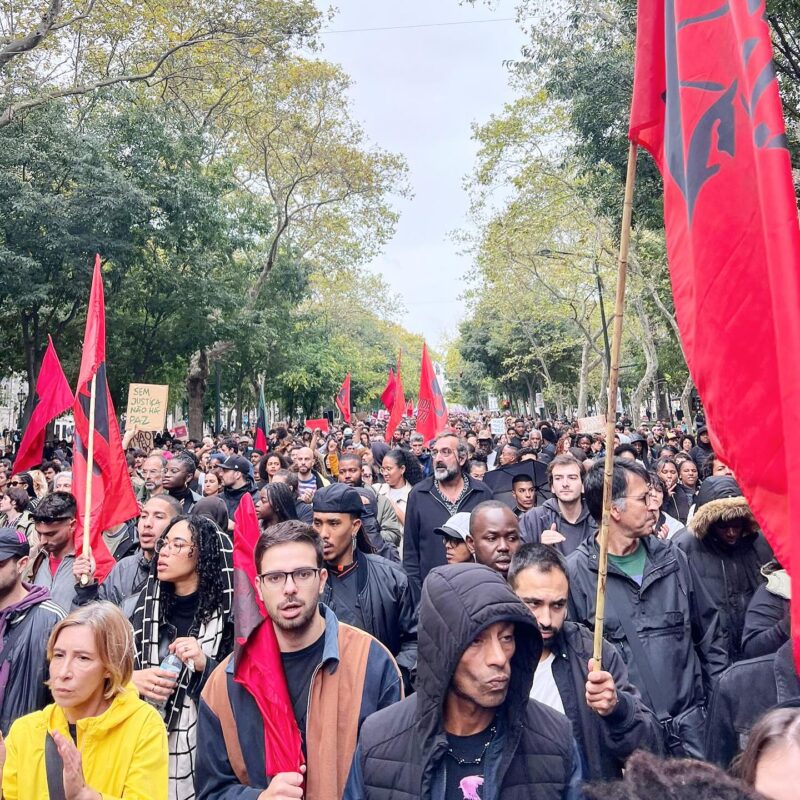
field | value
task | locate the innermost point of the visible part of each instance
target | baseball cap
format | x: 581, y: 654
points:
x: 457, y: 527
x: 338, y: 498
x: 239, y: 463
x: 13, y: 543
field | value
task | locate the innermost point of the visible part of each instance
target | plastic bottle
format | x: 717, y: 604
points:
x: 170, y: 664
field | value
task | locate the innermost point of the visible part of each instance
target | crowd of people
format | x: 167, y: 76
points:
x: 433, y: 603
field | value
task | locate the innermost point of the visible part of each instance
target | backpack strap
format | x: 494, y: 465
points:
x: 54, y: 767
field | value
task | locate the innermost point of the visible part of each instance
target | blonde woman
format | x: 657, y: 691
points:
x: 98, y: 740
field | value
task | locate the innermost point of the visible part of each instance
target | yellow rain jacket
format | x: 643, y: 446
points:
x: 124, y: 751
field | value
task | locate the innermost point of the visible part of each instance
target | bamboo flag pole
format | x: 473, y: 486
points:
x: 613, y: 383
x: 86, y: 550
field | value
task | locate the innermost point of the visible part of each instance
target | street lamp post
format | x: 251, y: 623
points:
x: 20, y: 399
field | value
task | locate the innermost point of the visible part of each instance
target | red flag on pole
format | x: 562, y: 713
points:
x: 53, y: 397
x: 706, y: 106
x: 261, y: 442
x: 257, y: 658
x: 410, y: 408
x: 343, y: 399
x: 113, y: 500
x: 387, y: 398
x: 398, y: 406
x: 431, y: 408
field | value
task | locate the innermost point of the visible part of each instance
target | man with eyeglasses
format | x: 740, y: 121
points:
x: 432, y: 502
x: 153, y: 475
x: 657, y: 610
x: 336, y: 675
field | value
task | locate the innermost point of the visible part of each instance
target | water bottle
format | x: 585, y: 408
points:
x: 171, y: 664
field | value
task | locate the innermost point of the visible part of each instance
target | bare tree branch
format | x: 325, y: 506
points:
x: 31, y: 40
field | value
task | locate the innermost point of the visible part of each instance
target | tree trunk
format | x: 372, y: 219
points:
x: 651, y: 360
x: 583, y: 381
x: 196, y: 383
x: 686, y: 401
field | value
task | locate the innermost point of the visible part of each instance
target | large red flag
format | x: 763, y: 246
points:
x: 343, y: 399
x: 257, y: 657
x: 113, y: 500
x: 398, y: 406
x: 387, y: 398
x: 431, y: 408
x: 706, y: 106
x: 53, y: 397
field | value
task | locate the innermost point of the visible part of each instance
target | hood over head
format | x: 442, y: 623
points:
x: 458, y: 602
x: 720, y: 500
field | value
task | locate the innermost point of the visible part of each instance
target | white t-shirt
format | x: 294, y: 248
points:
x: 399, y: 496
x: 544, y: 687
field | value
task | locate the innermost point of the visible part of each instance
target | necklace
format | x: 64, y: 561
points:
x: 472, y: 762
x: 452, y: 505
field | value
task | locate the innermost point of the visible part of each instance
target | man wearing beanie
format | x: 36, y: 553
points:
x: 364, y: 589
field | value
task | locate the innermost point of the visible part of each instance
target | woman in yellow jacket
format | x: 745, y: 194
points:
x: 104, y: 742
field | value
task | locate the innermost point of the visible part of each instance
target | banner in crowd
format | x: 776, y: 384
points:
x: 592, y: 424
x: 147, y: 406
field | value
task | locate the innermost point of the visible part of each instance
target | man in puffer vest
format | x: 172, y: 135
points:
x: 470, y: 732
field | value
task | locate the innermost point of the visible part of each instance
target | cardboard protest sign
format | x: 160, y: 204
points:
x: 144, y: 440
x: 592, y: 424
x: 147, y: 406
x: 497, y: 426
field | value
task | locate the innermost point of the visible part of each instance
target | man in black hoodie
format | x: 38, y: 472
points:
x: 702, y: 450
x: 470, y: 732
x: 237, y: 482
x: 727, y: 551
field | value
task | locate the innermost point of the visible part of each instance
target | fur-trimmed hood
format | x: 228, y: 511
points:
x: 720, y: 500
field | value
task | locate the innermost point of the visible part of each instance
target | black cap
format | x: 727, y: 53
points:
x: 338, y: 498
x: 239, y: 463
x: 13, y: 543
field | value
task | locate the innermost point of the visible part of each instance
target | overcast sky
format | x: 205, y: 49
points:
x: 417, y: 90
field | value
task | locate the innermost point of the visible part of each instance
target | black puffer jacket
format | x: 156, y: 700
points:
x: 605, y: 742
x: 677, y: 623
x: 401, y: 748
x: 767, y: 623
x: 745, y: 692
x: 730, y: 573
x: 387, y: 607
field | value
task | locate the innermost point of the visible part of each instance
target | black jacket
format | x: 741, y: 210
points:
x: 534, y: 522
x: 422, y: 548
x: 402, y: 749
x: 677, y: 504
x: 233, y: 497
x: 677, y: 623
x: 387, y: 608
x: 730, y: 575
x: 605, y: 742
x: 766, y: 623
x: 25, y: 650
x: 745, y: 692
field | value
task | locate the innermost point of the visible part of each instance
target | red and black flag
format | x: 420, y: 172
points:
x: 706, y: 105
x: 257, y: 664
x: 431, y: 408
x: 261, y: 442
x: 343, y: 399
x: 398, y: 408
x: 53, y: 398
x: 113, y: 500
x: 387, y: 398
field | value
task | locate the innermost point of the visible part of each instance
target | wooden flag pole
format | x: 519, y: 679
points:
x: 613, y: 383
x: 86, y: 550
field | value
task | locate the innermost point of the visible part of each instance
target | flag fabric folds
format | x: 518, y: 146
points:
x: 343, y: 399
x: 387, y: 398
x: 261, y: 442
x: 398, y: 406
x: 431, y: 408
x: 706, y: 106
x: 53, y: 398
x: 257, y: 658
x: 113, y: 500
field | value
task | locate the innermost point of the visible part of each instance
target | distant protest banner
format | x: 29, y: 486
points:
x: 180, y: 431
x: 497, y: 426
x: 147, y: 406
x: 592, y: 424
x: 322, y: 424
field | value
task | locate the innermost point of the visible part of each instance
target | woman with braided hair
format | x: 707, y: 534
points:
x: 185, y: 610
x: 275, y: 504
